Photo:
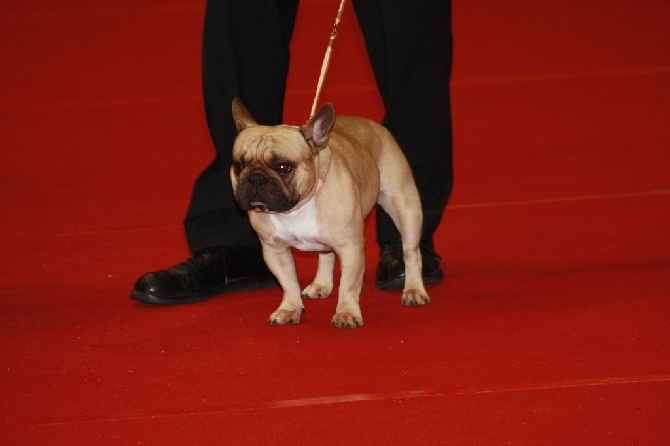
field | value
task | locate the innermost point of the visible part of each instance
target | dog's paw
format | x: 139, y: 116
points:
x: 316, y: 291
x: 347, y: 320
x: 283, y: 317
x: 415, y: 298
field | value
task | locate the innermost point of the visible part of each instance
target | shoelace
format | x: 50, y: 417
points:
x: 429, y: 252
x: 394, y: 250
x: 194, y: 270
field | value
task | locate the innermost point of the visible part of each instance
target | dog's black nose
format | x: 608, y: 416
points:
x: 257, y: 179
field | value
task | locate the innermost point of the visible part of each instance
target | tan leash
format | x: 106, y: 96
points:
x: 326, y: 58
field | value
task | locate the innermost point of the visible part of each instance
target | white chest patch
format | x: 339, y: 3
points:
x: 299, y: 228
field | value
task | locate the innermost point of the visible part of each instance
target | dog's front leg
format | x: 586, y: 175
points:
x: 280, y: 261
x: 352, y: 264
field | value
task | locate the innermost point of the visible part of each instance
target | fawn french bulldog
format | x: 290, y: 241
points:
x: 311, y: 187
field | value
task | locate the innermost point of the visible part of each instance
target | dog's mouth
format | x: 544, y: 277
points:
x: 259, y: 206
x: 266, y: 201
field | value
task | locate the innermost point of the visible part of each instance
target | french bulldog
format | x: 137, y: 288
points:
x: 311, y: 187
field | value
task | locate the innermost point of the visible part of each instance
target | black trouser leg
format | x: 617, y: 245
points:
x: 244, y: 53
x: 410, y: 48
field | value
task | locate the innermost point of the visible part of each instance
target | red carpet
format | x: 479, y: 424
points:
x: 550, y: 328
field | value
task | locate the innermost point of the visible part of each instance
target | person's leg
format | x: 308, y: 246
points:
x: 244, y: 54
x: 410, y: 50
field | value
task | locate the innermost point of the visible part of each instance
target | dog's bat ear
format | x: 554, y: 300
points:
x: 242, y: 116
x: 317, y: 128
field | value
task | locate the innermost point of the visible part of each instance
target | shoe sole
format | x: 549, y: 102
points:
x: 230, y: 287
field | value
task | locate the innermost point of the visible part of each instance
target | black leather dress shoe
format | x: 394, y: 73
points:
x: 211, y: 272
x: 391, y: 267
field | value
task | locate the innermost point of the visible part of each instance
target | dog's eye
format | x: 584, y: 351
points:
x: 237, y: 167
x: 283, y: 168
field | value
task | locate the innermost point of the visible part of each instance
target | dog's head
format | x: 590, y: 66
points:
x: 274, y: 166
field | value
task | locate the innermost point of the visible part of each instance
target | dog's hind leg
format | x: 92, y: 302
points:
x: 403, y: 205
x: 322, y: 285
